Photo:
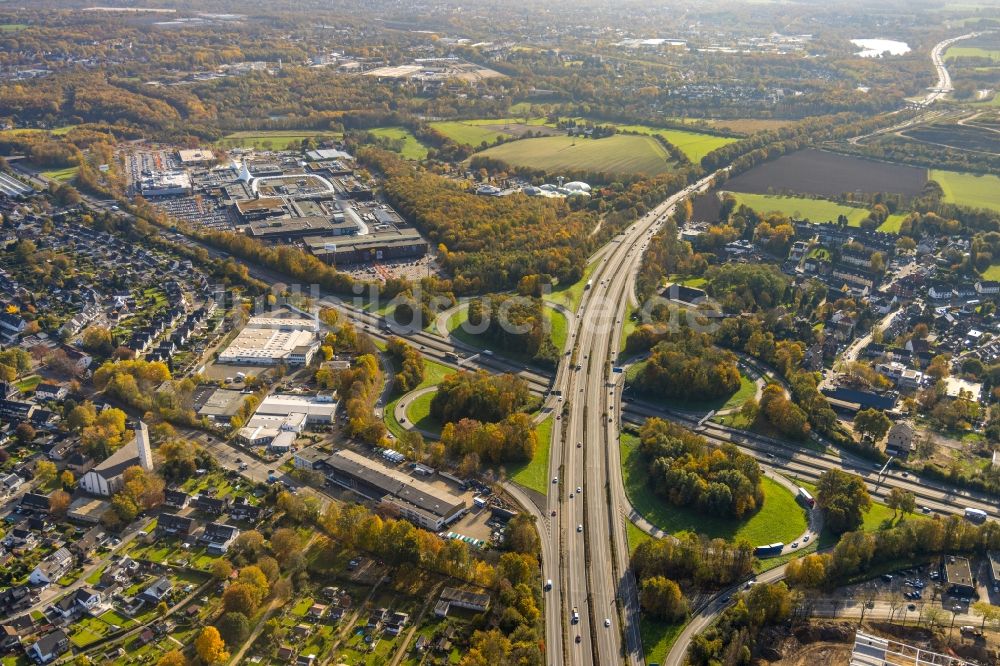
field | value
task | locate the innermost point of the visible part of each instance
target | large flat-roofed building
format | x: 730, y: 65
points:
x: 316, y: 409
x: 270, y: 341
x: 251, y: 210
x: 195, y: 157
x: 286, y: 230
x: 379, y: 246
x: 216, y: 403
x: 958, y: 577
x: 165, y: 183
x: 421, y: 503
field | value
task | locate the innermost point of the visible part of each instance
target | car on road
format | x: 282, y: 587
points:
x: 553, y: 512
x: 925, y: 509
x: 607, y: 622
x: 911, y: 607
x: 805, y: 539
x: 795, y: 544
x: 555, y: 479
x: 579, y: 490
x: 578, y: 638
x: 579, y: 445
x: 579, y: 528
x: 574, y: 616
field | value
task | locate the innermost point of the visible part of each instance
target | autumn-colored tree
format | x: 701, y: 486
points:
x: 210, y: 647
x: 222, y: 569
x: 59, y: 502
x: 241, y: 598
x: 45, y: 471
x: 173, y: 658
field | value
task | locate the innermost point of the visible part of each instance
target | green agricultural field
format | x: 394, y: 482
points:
x: 412, y: 148
x: 693, y: 144
x: 968, y: 189
x: 462, y: 132
x: 780, y: 519
x: 12, y: 27
x: 815, y: 210
x: 972, y: 52
x: 62, y: 175
x: 621, y: 153
x: 892, y: 223
x: 271, y: 139
x: 535, y: 474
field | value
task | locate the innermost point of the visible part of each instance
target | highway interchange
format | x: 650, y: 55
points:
x: 584, y: 545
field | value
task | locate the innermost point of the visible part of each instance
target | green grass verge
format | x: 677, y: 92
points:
x: 801, y: 208
x: 694, y: 145
x: 62, y: 175
x: 465, y: 133
x: 12, y: 27
x: 657, y: 638
x: 569, y: 296
x: 635, y: 536
x: 780, y: 519
x: 418, y: 412
x: 412, y: 148
x: 535, y: 474
x: 434, y: 372
x: 620, y: 153
x: 272, y: 139
x: 969, y: 189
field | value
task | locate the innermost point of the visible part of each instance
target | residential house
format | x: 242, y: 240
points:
x: 91, y: 540
x: 376, y: 618
x: 461, y: 598
x: 87, y: 599
x: 49, y: 647
x: 243, y: 510
x: 158, y: 591
x: 176, y: 499
x: 213, y: 506
x: 219, y: 537
x: 11, y: 482
x: 50, y: 392
x: 52, y: 568
x: 988, y: 288
x: 396, y: 623
x: 171, y: 524
x: 34, y: 502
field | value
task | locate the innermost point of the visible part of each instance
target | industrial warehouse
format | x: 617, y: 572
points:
x: 419, y: 502
x: 273, y: 340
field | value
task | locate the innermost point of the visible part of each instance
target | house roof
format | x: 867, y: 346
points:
x: 49, y: 642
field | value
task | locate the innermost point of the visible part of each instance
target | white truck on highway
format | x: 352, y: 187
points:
x: 975, y: 515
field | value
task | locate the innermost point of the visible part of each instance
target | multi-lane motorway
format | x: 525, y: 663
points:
x: 594, y: 594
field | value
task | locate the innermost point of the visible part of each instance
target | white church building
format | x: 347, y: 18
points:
x: 107, y: 478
